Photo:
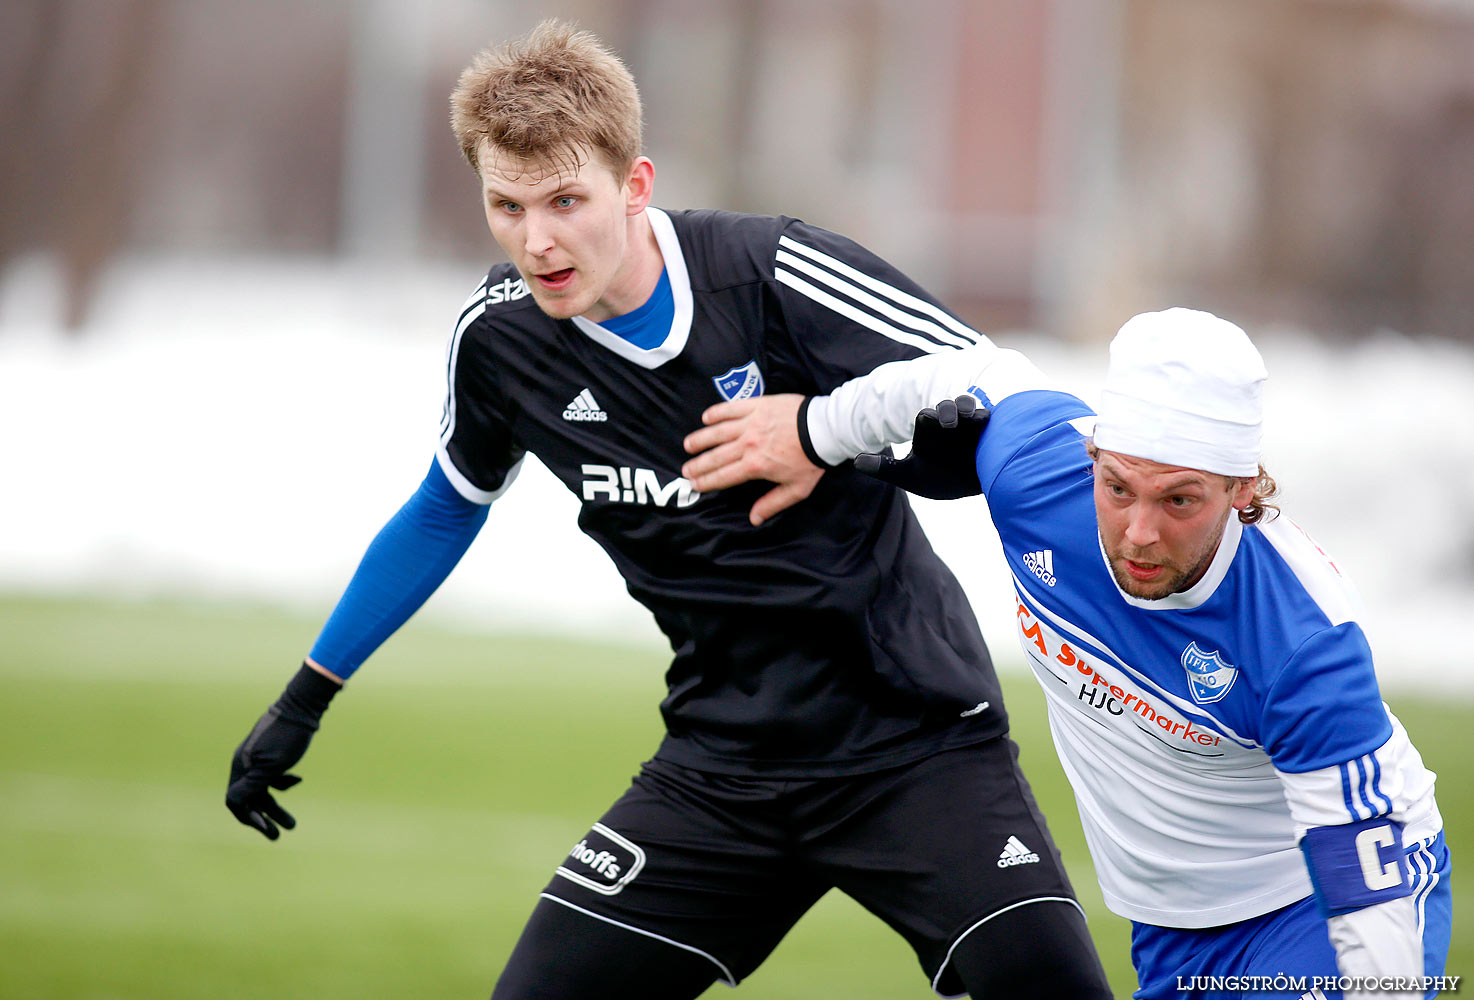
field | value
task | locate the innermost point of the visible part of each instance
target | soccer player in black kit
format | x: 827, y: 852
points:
x: 833, y: 719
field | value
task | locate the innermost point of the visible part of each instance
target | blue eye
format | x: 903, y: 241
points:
x: 565, y: 202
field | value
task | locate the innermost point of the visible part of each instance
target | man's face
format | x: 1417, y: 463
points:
x: 566, y: 232
x: 1161, y: 524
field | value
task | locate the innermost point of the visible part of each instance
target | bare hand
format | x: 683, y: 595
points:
x: 751, y: 439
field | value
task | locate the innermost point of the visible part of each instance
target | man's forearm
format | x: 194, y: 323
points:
x: 1379, y: 942
x: 873, y: 411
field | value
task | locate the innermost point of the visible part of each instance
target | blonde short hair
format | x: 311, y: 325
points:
x: 549, y: 98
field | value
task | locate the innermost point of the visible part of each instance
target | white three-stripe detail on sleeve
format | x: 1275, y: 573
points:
x: 797, y: 266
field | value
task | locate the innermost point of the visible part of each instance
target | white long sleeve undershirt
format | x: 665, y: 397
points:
x: 878, y: 409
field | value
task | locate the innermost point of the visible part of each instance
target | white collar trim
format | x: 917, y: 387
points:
x: 680, y: 289
x: 1207, y: 584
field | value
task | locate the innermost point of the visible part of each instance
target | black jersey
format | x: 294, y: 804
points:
x: 829, y: 640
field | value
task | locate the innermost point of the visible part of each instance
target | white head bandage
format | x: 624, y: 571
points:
x: 1183, y: 388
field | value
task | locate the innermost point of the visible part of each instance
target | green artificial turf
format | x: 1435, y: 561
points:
x: 446, y: 784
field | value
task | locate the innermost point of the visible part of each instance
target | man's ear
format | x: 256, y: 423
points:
x: 1243, y: 493
x: 639, y: 186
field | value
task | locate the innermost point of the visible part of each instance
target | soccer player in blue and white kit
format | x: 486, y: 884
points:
x: 1250, y: 802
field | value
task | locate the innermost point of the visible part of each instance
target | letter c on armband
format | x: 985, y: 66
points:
x: 1355, y: 865
x: 1374, y: 873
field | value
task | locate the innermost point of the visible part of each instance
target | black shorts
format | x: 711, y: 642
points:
x: 723, y: 866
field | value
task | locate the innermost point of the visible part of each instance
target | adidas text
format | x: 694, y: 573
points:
x: 1015, y: 853
x: 508, y: 291
x: 584, y: 407
x: 1041, y: 564
x: 1022, y: 859
x: 625, y: 485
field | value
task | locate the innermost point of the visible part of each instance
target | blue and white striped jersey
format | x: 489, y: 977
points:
x: 1203, y: 733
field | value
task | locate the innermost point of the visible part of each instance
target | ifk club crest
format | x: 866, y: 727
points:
x: 740, y: 383
x: 1208, y: 677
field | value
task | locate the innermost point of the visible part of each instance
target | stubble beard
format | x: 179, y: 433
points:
x: 1149, y: 591
x: 1177, y: 579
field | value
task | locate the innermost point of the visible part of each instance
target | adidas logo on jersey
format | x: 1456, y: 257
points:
x: 1041, y: 564
x: 1015, y: 853
x: 583, y: 408
x: 508, y: 290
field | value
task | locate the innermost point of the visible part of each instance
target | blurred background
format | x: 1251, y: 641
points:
x: 1052, y: 164
x: 233, y: 239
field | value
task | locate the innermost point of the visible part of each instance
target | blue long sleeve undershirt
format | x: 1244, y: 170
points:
x: 410, y: 557
x: 414, y: 553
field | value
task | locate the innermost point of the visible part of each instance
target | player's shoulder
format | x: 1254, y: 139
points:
x: 1296, y: 567
x: 715, y: 224
x: 500, y: 297
x: 802, y: 240
x: 1035, y: 409
x: 727, y: 248
x: 1045, y: 426
x: 724, y: 248
x: 505, y: 289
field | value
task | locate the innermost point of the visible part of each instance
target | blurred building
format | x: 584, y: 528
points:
x: 1057, y: 164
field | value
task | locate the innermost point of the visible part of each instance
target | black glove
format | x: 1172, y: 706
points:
x: 277, y: 742
x: 943, y: 462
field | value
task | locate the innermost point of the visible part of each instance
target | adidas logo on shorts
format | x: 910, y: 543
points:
x: 1015, y: 853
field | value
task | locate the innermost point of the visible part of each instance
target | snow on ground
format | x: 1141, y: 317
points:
x: 240, y: 428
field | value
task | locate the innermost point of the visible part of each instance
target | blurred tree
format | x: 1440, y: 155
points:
x: 77, y: 73
x: 1060, y: 164
x: 1303, y: 163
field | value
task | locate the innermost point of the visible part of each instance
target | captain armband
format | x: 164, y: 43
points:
x: 1355, y: 865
